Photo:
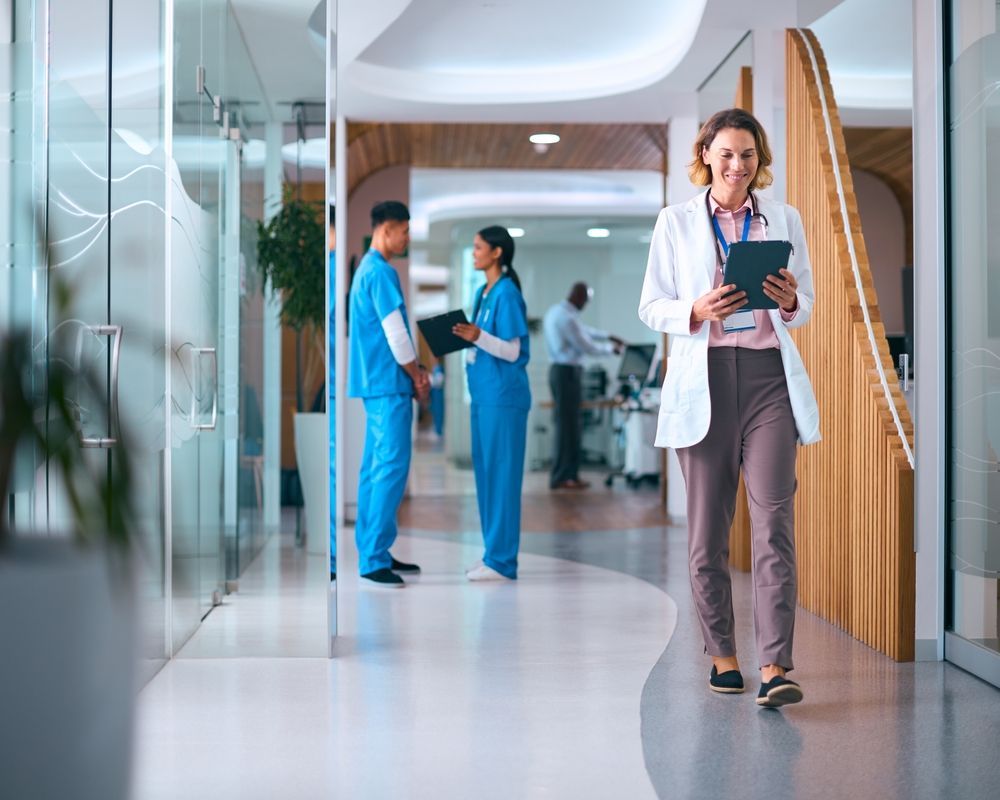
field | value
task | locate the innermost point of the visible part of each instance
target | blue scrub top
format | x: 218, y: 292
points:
x: 493, y: 381
x: 372, y: 370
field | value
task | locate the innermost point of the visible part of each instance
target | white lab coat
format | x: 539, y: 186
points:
x: 681, y: 268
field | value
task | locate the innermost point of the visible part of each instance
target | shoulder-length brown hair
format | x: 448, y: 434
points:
x: 701, y: 174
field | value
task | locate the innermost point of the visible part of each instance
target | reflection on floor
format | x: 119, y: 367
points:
x: 443, y: 690
x: 869, y: 727
x: 280, y: 608
x: 571, y: 683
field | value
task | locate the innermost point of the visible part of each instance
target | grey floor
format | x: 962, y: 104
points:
x: 868, y: 728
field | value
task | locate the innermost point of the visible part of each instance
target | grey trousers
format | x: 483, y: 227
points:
x: 752, y: 428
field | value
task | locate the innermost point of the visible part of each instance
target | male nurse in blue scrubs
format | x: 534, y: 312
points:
x: 384, y: 372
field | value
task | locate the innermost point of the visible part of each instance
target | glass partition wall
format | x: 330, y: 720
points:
x: 144, y: 145
x: 973, y: 640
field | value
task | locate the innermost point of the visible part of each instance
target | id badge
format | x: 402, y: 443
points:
x: 740, y: 321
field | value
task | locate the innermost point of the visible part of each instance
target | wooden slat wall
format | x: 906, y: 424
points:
x: 744, y: 90
x: 854, y: 507
x: 740, y: 551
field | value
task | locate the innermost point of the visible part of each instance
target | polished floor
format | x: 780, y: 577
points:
x: 584, y: 679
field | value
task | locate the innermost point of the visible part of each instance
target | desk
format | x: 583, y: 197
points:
x: 586, y: 404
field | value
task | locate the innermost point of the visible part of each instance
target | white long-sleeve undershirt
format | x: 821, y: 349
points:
x: 399, y: 338
x: 504, y: 349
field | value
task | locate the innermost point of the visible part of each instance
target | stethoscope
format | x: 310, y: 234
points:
x: 721, y: 245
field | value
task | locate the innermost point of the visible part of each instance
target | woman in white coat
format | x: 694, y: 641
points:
x: 736, y: 395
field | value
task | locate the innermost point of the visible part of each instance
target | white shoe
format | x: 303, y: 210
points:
x: 484, y: 573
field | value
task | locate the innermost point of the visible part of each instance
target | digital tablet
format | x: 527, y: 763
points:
x: 749, y: 263
x: 437, y: 332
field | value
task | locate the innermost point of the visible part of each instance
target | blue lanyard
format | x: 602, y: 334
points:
x: 722, y: 239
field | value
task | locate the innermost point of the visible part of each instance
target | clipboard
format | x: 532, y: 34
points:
x: 749, y: 263
x: 437, y: 332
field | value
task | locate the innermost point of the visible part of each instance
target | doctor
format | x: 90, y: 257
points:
x: 736, y: 396
x: 384, y: 372
x: 498, y: 385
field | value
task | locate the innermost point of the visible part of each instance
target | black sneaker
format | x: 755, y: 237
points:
x: 778, y: 692
x: 333, y: 576
x: 383, y: 578
x: 400, y: 566
x: 729, y: 682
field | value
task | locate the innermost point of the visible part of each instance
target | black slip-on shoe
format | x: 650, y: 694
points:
x: 729, y: 682
x: 401, y: 566
x: 778, y: 692
x: 383, y: 578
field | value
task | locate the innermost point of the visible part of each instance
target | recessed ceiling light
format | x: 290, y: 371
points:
x: 598, y: 233
x: 543, y: 138
x: 516, y: 233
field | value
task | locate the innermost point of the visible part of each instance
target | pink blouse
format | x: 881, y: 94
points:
x: 762, y: 337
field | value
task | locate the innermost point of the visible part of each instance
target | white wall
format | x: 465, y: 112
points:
x: 885, y: 240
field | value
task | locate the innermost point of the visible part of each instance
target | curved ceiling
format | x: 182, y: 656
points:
x: 868, y: 45
x: 516, y: 51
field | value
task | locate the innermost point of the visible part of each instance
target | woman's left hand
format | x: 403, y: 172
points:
x: 466, y: 331
x: 781, y: 289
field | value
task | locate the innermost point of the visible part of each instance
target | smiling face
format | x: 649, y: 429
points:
x: 484, y: 256
x: 733, y: 159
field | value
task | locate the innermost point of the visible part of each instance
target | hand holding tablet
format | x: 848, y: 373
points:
x: 760, y: 270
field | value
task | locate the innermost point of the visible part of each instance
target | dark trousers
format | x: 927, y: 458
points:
x: 752, y: 429
x: 566, y: 385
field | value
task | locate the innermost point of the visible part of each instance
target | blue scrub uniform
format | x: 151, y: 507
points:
x: 500, y: 402
x: 387, y: 391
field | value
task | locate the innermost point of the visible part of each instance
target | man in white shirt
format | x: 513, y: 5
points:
x: 568, y: 341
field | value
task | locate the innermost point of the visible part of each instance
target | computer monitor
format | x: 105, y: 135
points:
x: 636, y: 361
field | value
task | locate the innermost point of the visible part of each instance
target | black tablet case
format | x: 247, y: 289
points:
x: 749, y: 263
x: 437, y: 332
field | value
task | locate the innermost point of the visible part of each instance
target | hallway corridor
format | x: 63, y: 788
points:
x: 585, y: 679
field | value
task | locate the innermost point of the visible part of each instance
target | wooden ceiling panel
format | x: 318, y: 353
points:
x: 374, y: 146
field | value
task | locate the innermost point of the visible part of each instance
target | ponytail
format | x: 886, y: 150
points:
x: 509, y: 272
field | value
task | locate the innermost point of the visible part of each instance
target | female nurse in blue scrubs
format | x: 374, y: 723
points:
x: 498, y: 385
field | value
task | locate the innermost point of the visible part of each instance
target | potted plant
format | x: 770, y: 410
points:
x: 291, y: 254
x: 68, y: 674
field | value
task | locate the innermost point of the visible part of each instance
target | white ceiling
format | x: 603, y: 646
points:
x: 641, y: 61
x: 868, y: 46
x: 289, y: 61
x: 535, y: 60
x: 449, y: 194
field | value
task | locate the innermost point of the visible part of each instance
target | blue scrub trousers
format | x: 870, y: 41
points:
x: 384, y: 467
x: 498, y: 442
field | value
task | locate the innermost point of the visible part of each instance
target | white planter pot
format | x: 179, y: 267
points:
x: 312, y: 438
x: 68, y: 672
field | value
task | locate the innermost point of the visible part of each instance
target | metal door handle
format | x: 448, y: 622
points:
x: 904, y: 371
x: 114, y: 422
x: 198, y: 353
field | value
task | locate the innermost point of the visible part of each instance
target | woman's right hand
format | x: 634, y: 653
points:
x: 716, y: 305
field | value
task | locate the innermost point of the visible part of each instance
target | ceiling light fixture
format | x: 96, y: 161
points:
x: 542, y: 141
x: 598, y: 233
x: 515, y: 233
